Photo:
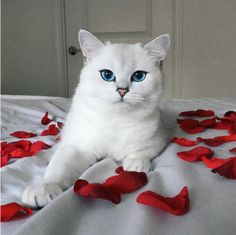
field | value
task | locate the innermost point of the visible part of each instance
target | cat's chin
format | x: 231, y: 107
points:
x: 124, y: 105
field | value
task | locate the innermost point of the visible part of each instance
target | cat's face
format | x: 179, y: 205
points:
x: 120, y: 74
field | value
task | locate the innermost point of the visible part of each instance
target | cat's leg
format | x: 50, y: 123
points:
x: 140, y: 161
x: 66, y: 165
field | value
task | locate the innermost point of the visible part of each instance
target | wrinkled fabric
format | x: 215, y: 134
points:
x: 212, y: 197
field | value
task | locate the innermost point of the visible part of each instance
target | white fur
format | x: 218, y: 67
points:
x: 100, y: 125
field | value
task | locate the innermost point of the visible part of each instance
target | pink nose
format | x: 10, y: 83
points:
x: 122, y: 91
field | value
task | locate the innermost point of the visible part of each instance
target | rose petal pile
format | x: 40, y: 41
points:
x: 96, y: 190
x: 128, y: 182
x: 192, y: 126
x: 113, y: 187
x: 26, y: 148
x: 20, y: 149
x: 224, y: 167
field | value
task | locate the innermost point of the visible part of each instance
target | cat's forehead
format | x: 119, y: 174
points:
x: 118, y: 56
x: 124, y: 51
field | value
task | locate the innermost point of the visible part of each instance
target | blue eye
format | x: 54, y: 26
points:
x: 107, y: 75
x: 138, y: 76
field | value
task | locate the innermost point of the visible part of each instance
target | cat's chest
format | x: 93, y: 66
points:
x: 112, y: 136
x: 110, y: 133
x: 114, y: 129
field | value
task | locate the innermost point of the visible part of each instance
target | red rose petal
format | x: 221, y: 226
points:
x: 226, y: 120
x: 119, y: 169
x: 58, y: 139
x: 60, y: 124
x: 196, y: 154
x: 3, y: 152
x: 233, y: 150
x: 126, y: 181
x: 208, y: 122
x: 213, y: 162
x: 224, y: 167
x: 95, y: 190
x: 38, y: 146
x: 230, y: 115
x: 3, y: 145
x: 80, y: 184
x: 20, y: 149
x: 20, y: 153
x: 184, y: 142
x: 8, y: 150
x: 23, y: 134
x: 222, y: 125
x: 205, y: 113
x: 45, y: 120
x: 232, y: 129
x: 218, y: 140
x: 226, y: 138
x: 177, y: 205
x: 10, y: 210
x: 4, y: 160
x: 23, y: 144
x: 198, y: 113
x: 17, y: 148
x: 188, y: 113
x: 191, y: 126
x: 228, y: 169
x: 212, y: 142
x: 52, y: 130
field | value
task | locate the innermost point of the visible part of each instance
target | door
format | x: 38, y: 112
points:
x: 116, y: 21
x: 33, y: 51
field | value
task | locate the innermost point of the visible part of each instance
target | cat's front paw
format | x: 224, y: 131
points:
x: 40, y: 195
x: 139, y: 165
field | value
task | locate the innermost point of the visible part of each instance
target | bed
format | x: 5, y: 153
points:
x: 212, y: 197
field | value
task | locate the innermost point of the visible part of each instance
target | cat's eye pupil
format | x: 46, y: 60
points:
x: 107, y: 75
x: 138, y: 76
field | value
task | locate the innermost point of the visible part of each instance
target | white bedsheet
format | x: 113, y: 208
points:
x: 212, y: 197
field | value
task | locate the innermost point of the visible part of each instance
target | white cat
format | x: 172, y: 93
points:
x: 114, y: 114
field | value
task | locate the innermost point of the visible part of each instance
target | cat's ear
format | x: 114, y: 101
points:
x: 89, y: 44
x: 158, y: 47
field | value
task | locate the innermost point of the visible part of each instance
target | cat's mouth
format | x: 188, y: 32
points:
x: 121, y: 101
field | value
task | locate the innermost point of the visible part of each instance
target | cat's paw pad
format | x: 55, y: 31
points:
x: 40, y: 195
x: 138, y: 165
